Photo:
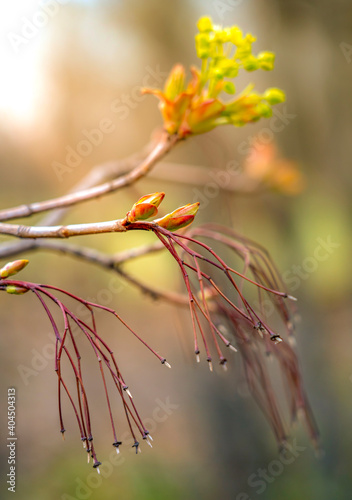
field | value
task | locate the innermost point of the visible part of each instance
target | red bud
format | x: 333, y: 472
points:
x: 145, y: 207
x: 181, y: 217
x: 12, y: 268
x: 16, y: 289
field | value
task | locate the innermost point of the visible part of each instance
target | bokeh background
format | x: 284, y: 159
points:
x: 64, y: 72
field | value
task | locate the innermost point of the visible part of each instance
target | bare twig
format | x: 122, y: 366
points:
x: 134, y: 253
x: 224, y: 178
x: 164, y: 145
x: 100, y: 173
x: 113, y: 262
x: 20, y: 231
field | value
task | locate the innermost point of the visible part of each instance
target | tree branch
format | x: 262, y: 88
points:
x: 163, y: 146
x: 20, y: 231
x: 113, y: 262
x: 134, y: 253
x: 98, y: 174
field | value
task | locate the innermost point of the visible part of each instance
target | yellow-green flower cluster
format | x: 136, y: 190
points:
x: 195, y: 107
x: 228, y: 49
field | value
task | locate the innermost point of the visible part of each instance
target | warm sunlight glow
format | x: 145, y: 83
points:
x: 23, y: 27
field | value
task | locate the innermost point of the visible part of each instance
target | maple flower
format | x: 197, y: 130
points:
x: 195, y: 107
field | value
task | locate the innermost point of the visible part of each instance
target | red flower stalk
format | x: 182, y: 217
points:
x: 216, y: 308
x: 67, y: 345
x: 223, y: 310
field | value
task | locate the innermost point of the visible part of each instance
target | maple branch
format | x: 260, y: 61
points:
x: 21, y: 231
x: 113, y: 263
x: 163, y: 146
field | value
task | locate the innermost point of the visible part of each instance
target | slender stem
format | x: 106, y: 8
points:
x: 99, y: 174
x: 206, y: 310
x: 163, y: 146
x: 112, y: 262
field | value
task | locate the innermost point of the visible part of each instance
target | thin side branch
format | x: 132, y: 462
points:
x: 99, y: 174
x: 164, y: 145
x: 113, y: 262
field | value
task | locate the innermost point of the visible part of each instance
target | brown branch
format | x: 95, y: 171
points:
x: 20, y: 231
x: 14, y: 248
x: 133, y: 253
x: 97, y: 175
x: 163, y: 146
x: 95, y: 256
x: 226, y: 179
x: 113, y: 262
x: 112, y: 226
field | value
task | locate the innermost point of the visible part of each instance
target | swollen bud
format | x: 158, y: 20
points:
x: 16, y: 289
x: 145, y: 207
x: 205, y: 24
x: 274, y: 96
x: 181, y: 217
x: 142, y: 211
x: 12, y: 268
x: 250, y: 63
x: 266, y: 60
x: 154, y: 199
x: 174, y: 85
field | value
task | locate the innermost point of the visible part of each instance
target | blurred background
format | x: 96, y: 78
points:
x: 66, y: 67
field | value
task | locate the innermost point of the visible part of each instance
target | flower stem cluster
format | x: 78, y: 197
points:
x: 68, y: 338
x: 224, y: 310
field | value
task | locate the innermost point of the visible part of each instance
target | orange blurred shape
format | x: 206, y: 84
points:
x: 264, y: 165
